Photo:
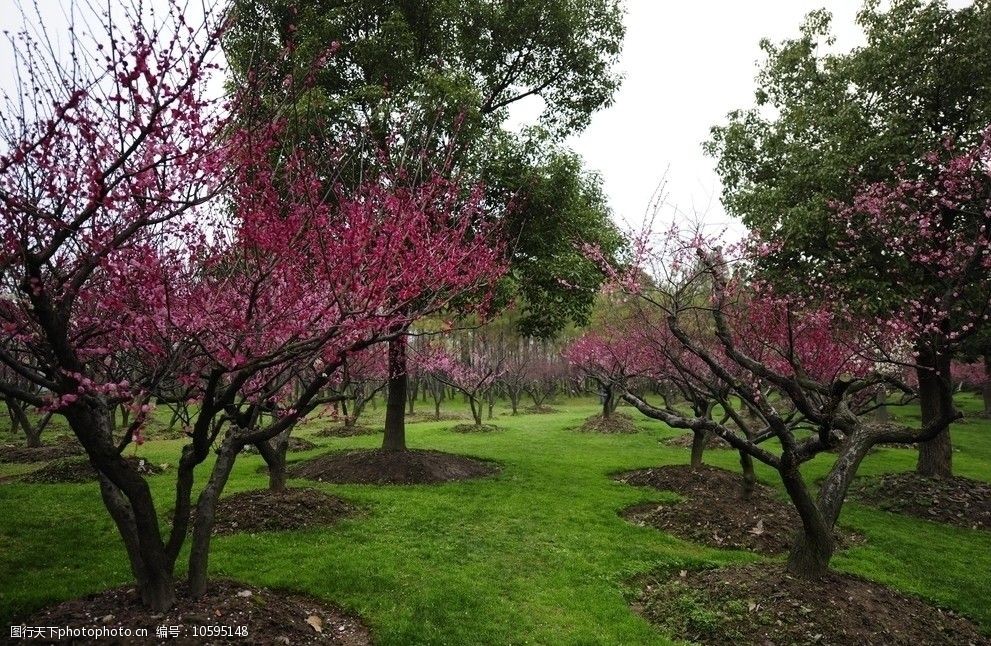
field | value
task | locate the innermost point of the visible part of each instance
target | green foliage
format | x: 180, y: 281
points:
x: 440, y: 76
x: 477, y: 55
x: 557, y: 206
x: 827, y: 122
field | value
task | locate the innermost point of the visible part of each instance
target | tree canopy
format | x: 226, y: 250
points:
x: 443, y: 75
x: 826, y: 123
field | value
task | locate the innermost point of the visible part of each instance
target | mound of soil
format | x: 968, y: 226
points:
x: 347, y: 431
x: 713, y: 511
x: 430, y: 417
x: 472, y: 428
x: 267, y: 616
x: 167, y: 434
x: 73, y: 471
x: 540, y: 410
x: 375, y: 466
x: 615, y: 423
x: 275, y: 511
x: 956, y: 501
x: 685, y: 441
x: 25, y: 455
x: 296, y: 444
x: 761, y: 604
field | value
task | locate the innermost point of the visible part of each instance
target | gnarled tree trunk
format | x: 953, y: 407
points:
x: 395, y: 407
x: 128, y: 499
x: 936, y: 455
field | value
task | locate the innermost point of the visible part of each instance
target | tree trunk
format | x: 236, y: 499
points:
x: 813, y: 546
x: 395, y: 407
x: 490, y: 401
x: 699, y: 440
x: 153, y: 576
x: 476, y: 410
x: 414, y: 386
x: 514, y: 400
x: 32, y: 433
x: 882, y: 413
x: 749, y: 476
x: 607, y: 402
x: 936, y: 455
x: 206, y: 509
x: 128, y: 499
x: 274, y: 453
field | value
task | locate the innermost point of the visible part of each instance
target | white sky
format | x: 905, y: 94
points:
x: 686, y: 65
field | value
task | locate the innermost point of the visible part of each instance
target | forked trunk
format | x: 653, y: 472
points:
x: 395, y: 407
x: 813, y: 546
x: 476, y: 409
x: 128, y: 499
x: 274, y: 453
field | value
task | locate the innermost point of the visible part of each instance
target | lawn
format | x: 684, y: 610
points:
x: 537, y: 554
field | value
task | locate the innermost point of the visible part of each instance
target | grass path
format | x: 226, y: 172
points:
x: 536, y: 554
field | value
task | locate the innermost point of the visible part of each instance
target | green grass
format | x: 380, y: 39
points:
x: 537, y: 554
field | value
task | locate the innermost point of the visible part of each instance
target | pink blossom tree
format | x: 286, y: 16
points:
x: 473, y: 371
x: 919, y: 249
x: 744, y: 341
x: 612, y: 357
x: 138, y: 217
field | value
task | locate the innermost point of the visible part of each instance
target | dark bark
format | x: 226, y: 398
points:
x: 128, y: 499
x: 882, y: 413
x: 749, y: 475
x: 206, y: 510
x: 476, y: 409
x: 935, y: 455
x: 274, y: 453
x: 32, y: 432
x: 814, y: 545
x: 699, y: 440
x: 395, y: 407
x: 609, y: 401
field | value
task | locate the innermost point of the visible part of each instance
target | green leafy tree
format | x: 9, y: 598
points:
x: 826, y: 124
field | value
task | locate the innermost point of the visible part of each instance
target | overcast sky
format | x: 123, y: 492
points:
x: 687, y: 64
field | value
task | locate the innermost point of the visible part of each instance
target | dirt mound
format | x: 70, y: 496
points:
x: 615, y: 423
x: 430, y: 417
x: 713, y: 512
x: 347, y: 431
x: 375, y: 466
x: 956, y: 501
x: 540, y: 410
x: 472, y: 428
x: 25, y: 455
x: 685, y: 441
x: 296, y: 444
x: 761, y: 604
x: 266, y: 616
x: 276, y: 511
x: 74, y: 471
